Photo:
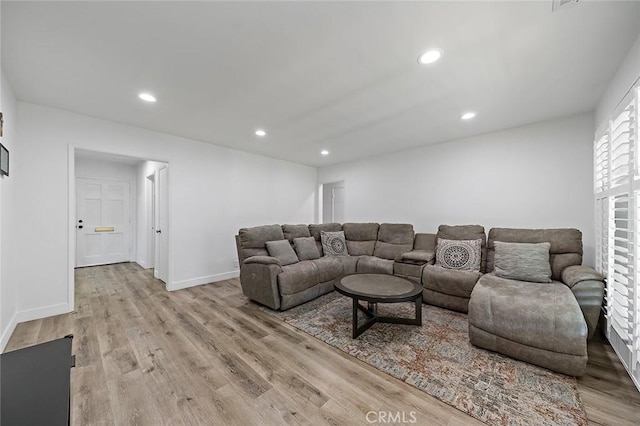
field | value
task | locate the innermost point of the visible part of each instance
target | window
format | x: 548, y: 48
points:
x: 617, y: 214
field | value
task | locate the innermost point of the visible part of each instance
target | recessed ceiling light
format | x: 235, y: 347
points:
x: 147, y: 97
x: 324, y: 152
x: 468, y: 115
x: 261, y: 133
x: 430, y: 56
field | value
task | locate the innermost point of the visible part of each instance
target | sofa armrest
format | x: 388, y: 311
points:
x: 263, y: 260
x: 573, y: 275
x: 418, y: 256
x: 589, y: 295
x: 259, y: 281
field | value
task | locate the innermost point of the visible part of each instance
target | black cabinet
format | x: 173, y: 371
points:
x: 35, y: 384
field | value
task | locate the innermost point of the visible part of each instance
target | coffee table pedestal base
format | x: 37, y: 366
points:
x: 371, y: 312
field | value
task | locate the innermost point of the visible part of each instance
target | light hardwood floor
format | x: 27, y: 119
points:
x: 207, y: 356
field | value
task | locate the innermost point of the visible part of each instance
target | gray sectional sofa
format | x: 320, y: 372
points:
x: 372, y: 248
x: 546, y: 324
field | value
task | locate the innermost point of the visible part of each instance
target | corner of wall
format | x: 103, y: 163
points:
x: 7, y: 332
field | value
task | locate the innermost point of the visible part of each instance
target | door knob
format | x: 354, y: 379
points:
x: 80, y: 226
x: 159, y: 231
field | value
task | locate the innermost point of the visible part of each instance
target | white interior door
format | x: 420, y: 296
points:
x: 103, y: 221
x: 161, y: 226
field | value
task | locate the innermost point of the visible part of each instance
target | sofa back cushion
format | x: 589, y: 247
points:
x: 393, y: 240
x: 466, y: 232
x: 295, y: 231
x: 252, y: 240
x: 361, y: 238
x: 426, y: 242
x: 315, y: 230
x: 565, y: 249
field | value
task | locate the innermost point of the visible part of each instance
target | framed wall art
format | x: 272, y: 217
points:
x: 4, y: 161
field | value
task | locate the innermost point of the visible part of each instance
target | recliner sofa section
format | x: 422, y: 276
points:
x: 372, y: 247
x: 451, y: 288
x: 546, y: 324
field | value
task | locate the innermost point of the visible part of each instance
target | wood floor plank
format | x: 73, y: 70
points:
x: 207, y: 356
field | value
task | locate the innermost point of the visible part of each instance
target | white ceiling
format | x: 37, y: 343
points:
x: 341, y: 76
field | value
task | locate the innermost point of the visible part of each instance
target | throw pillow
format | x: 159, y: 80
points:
x: 464, y: 255
x: 523, y: 261
x: 306, y: 248
x: 333, y: 243
x: 282, y: 251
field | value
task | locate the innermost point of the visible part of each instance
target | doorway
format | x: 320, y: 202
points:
x: 116, y: 204
x: 333, y: 202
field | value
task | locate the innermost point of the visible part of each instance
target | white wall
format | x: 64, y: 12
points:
x: 213, y: 191
x: 108, y: 169
x: 535, y: 176
x: 628, y: 72
x: 8, y: 281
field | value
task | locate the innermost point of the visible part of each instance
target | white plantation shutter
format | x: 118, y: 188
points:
x: 621, y: 275
x: 602, y: 235
x: 621, y: 159
x: 617, y: 214
x: 601, y: 163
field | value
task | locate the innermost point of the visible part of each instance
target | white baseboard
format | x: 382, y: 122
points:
x: 29, y: 315
x: 142, y: 264
x: 7, y: 332
x: 45, y: 311
x: 178, y: 285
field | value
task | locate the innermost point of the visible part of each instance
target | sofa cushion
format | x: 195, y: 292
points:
x: 464, y: 255
x: 566, y: 245
x: 253, y: 240
x: 466, y: 232
x: 541, y: 316
x: 282, y: 251
x: 298, y: 277
x: 522, y: 261
x: 333, y: 243
x: 374, y: 265
x: 394, y: 239
x: 306, y: 248
x: 361, y: 238
x: 449, y: 281
x: 361, y: 248
x: 295, y: 231
x: 329, y: 268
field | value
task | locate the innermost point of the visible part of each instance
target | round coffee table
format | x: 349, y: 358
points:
x: 379, y: 288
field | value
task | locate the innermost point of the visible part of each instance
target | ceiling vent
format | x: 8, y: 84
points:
x: 561, y: 4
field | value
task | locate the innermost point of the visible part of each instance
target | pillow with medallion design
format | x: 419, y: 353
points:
x: 334, y: 243
x: 463, y: 255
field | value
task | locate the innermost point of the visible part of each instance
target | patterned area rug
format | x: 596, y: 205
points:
x: 438, y: 359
